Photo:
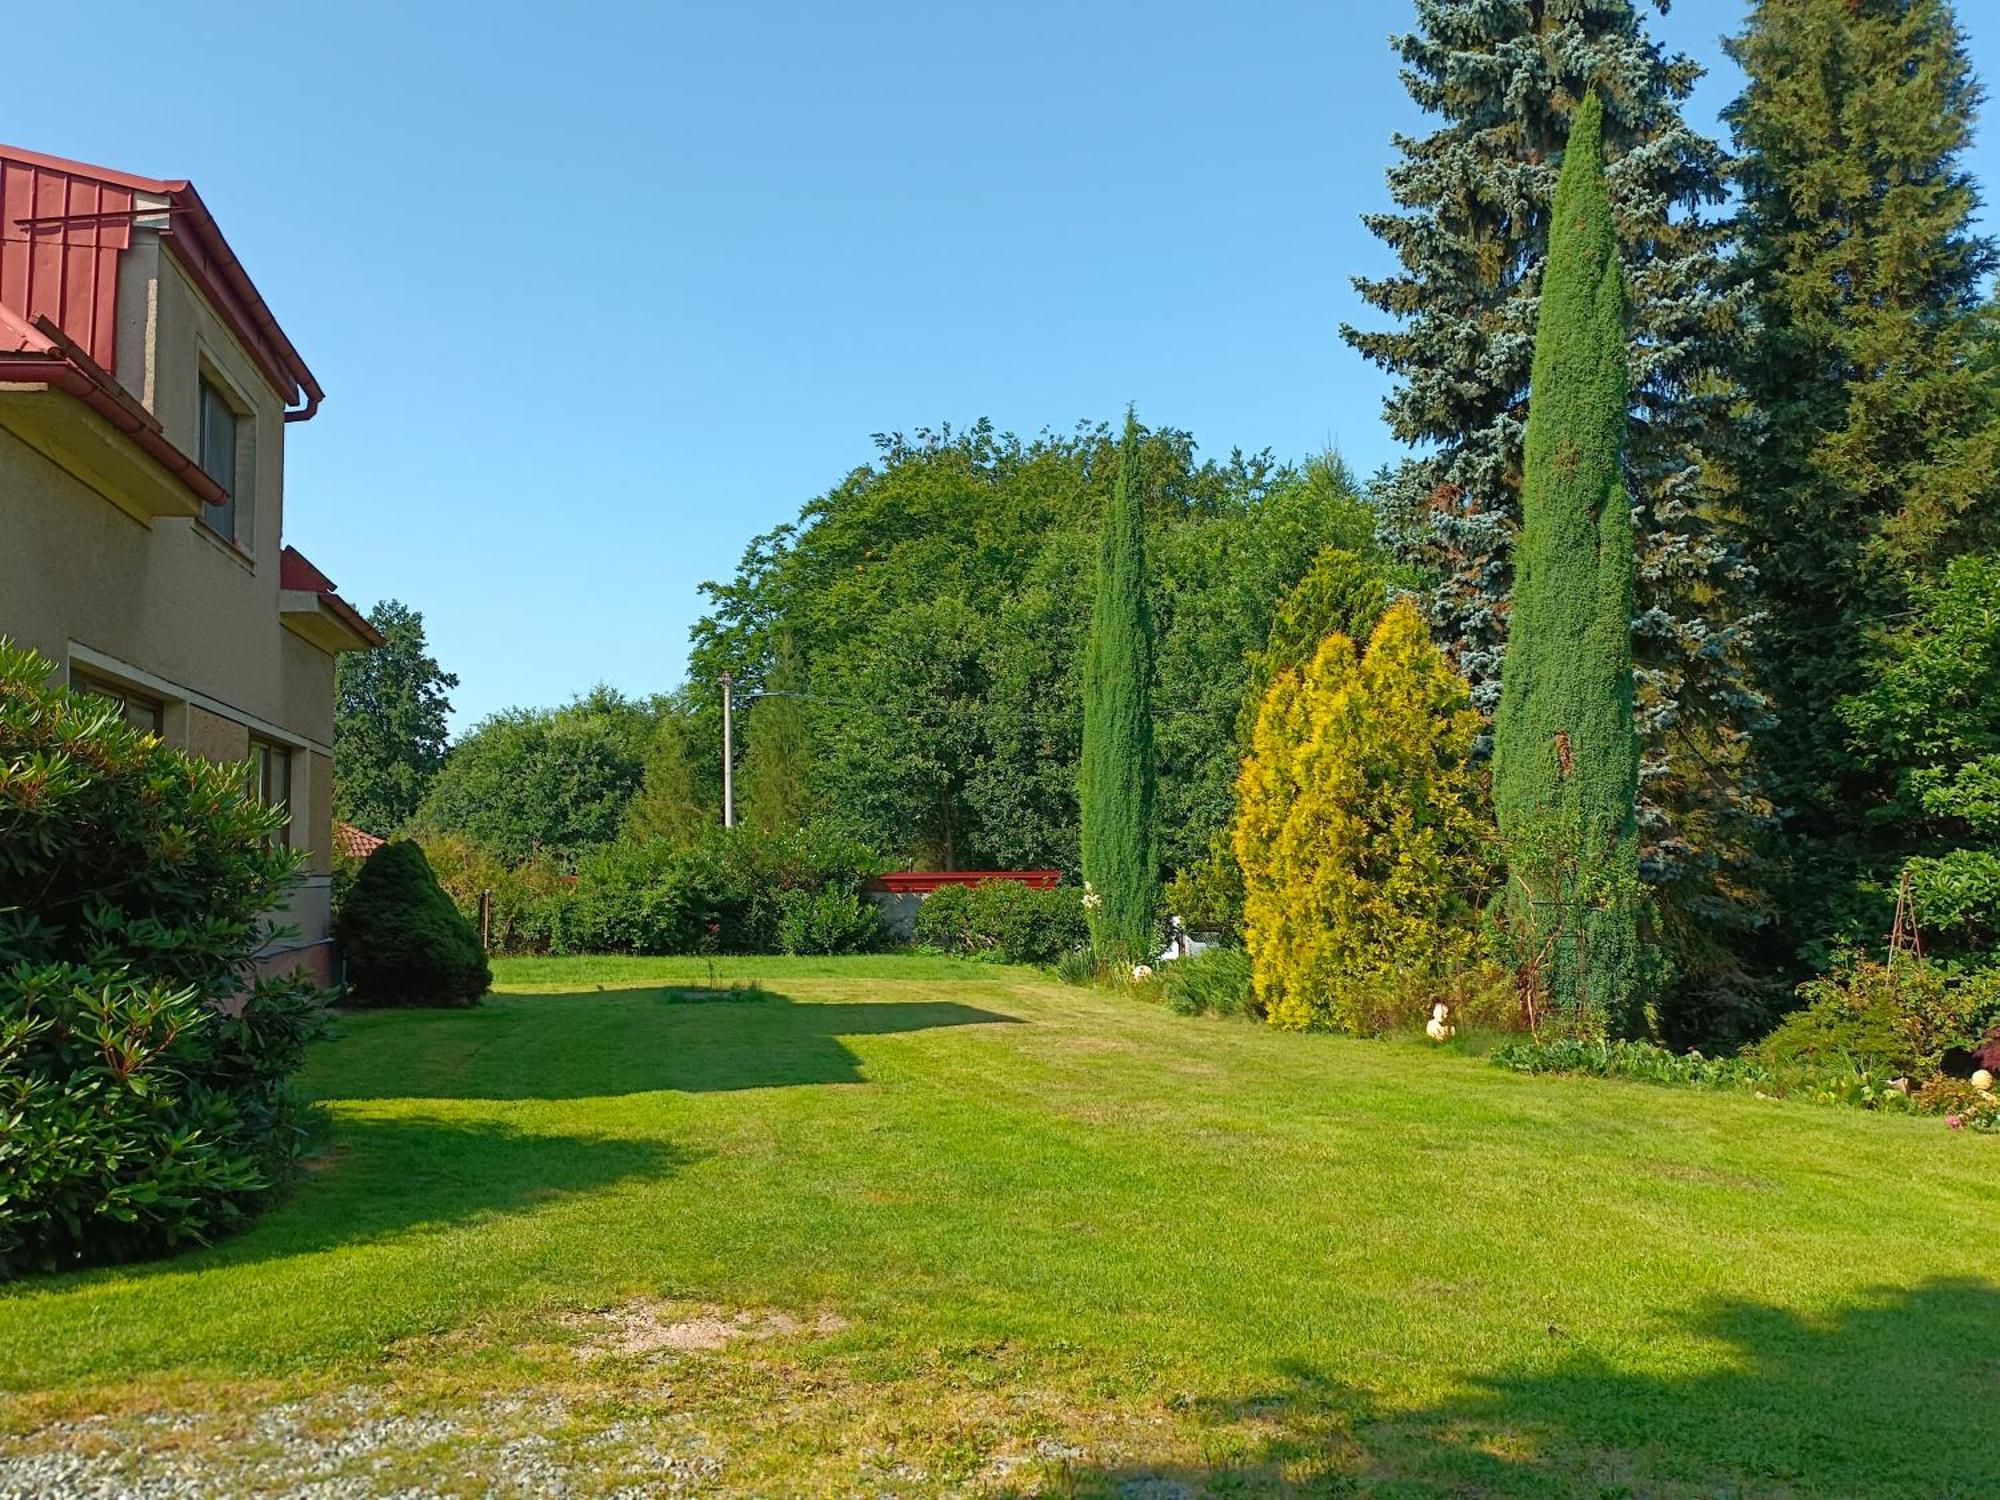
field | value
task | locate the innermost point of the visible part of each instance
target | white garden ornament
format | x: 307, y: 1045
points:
x: 1983, y: 1081
x: 1439, y: 1028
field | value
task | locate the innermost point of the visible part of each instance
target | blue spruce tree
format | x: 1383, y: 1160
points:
x: 1470, y: 230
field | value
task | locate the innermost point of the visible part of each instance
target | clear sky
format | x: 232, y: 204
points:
x: 600, y: 291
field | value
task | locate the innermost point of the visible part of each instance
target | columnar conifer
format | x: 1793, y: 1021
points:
x: 1565, y: 755
x: 1469, y: 230
x: 1116, y: 784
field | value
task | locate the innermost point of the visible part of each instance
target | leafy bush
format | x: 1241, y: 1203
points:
x: 1643, y: 1062
x: 1077, y: 966
x: 529, y: 901
x: 1004, y: 921
x: 1217, y: 982
x: 1956, y: 1099
x: 1358, y: 830
x: 144, y: 1100
x: 1898, y: 1018
x: 832, y: 920
x: 404, y: 941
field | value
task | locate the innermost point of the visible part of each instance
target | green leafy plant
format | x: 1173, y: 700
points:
x: 1005, y: 921
x: 1217, y: 983
x: 1897, y: 1017
x: 404, y: 941
x: 144, y: 1095
x: 831, y: 920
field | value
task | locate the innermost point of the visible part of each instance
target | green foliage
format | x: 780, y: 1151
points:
x: 1926, y: 727
x: 1215, y: 983
x: 1359, y: 833
x: 938, y: 603
x: 1897, y: 1018
x: 1116, y: 783
x: 1646, y: 1062
x: 730, y: 891
x: 669, y: 804
x: 1876, y: 411
x: 404, y: 941
x: 144, y: 1099
x: 1500, y: 84
x: 773, y: 785
x: 554, y: 782
x: 827, y: 921
x: 1005, y: 921
x: 1565, y: 753
x: 390, y: 713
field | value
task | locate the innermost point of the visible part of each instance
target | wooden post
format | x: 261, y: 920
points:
x: 486, y: 920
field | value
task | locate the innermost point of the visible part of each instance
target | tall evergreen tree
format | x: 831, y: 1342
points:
x: 1470, y: 230
x: 390, y: 723
x: 777, y: 753
x: 1116, y: 784
x: 669, y: 804
x: 1878, y: 458
x: 1565, y: 754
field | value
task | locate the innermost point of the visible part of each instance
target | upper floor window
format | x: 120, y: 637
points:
x: 218, y: 458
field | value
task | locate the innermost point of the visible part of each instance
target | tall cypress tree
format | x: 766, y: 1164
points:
x: 1116, y: 783
x: 1470, y: 231
x: 1878, y: 459
x: 777, y: 756
x: 1565, y: 753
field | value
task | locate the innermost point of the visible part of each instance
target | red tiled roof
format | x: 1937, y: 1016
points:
x: 350, y: 842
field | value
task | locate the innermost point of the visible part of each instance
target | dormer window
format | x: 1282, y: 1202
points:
x: 218, y: 458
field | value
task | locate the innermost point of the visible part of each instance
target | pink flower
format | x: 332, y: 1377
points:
x: 1956, y: 1122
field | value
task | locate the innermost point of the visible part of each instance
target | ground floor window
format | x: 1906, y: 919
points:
x: 271, y: 781
x: 140, y: 711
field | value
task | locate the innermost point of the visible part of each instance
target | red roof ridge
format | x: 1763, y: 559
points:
x: 200, y: 247
x: 296, y: 571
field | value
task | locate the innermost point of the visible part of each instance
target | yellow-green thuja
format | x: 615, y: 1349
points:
x: 1116, y: 783
x: 1565, y: 753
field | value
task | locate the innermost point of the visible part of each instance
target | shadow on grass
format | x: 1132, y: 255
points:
x: 608, y: 1042
x: 382, y: 1179
x: 1895, y: 1395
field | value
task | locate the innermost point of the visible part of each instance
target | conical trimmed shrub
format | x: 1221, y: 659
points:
x: 404, y: 940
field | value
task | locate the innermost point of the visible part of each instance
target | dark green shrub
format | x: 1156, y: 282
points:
x: 1213, y: 983
x: 1004, y: 921
x: 827, y: 921
x: 144, y: 1100
x: 404, y: 941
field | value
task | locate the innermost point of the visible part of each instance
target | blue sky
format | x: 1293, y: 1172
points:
x: 596, y: 299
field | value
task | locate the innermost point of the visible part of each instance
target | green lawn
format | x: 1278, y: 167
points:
x: 975, y: 1232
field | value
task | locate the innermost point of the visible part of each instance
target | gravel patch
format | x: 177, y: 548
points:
x: 348, y: 1446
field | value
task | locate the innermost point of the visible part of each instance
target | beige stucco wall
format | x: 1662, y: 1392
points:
x: 169, y: 608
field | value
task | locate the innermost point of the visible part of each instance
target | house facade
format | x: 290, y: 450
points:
x: 146, y: 391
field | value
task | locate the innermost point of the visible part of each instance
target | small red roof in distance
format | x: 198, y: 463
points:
x: 923, y: 882
x: 350, y: 842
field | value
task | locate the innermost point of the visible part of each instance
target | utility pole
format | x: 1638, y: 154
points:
x: 728, y: 752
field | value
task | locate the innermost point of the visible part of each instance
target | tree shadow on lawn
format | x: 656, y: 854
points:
x: 602, y: 1043
x: 1898, y: 1394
